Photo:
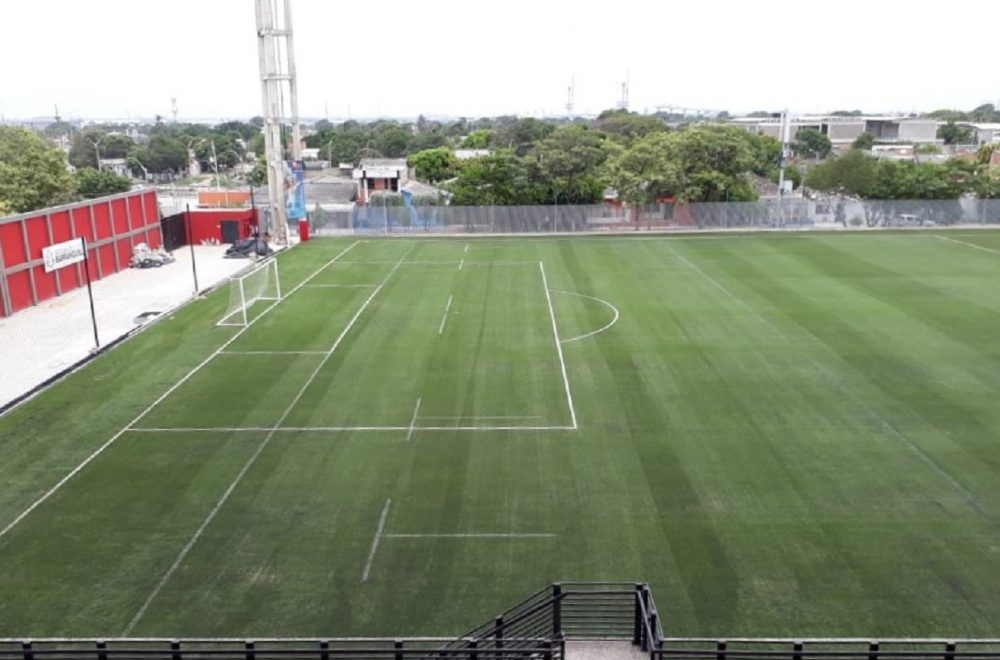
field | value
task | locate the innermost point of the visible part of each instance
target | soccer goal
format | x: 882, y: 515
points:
x: 261, y: 283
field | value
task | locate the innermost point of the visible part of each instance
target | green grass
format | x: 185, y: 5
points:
x: 789, y: 434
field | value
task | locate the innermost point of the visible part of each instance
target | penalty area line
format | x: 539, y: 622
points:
x: 444, y: 317
x: 413, y: 420
x: 375, y: 541
x: 473, y: 535
x: 97, y: 452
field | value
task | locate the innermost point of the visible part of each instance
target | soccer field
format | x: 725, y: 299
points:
x: 785, y: 434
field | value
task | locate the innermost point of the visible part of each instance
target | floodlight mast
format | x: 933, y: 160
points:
x: 274, y: 38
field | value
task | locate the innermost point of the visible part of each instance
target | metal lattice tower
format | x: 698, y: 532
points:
x: 277, y: 80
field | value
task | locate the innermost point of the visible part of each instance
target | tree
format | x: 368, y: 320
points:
x: 703, y: 164
x: 391, y: 139
x: 569, y: 160
x: 811, y: 143
x: 865, y: 141
x: 627, y: 127
x: 859, y: 175
x: 478, y: 139
x: 434, y: 165
x: 164, y: 153
x: 500, y: 178
x: 32, y: 173
x: 258, y: 175
x: 521, y: 134
x: 952, y: 133
x: 83, y: 152
x: 92, y: 183
x: 323, y: 125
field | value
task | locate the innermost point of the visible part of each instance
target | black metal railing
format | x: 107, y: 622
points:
x: 273, y: 649
x: 534, y: 629
x: 826, y: 649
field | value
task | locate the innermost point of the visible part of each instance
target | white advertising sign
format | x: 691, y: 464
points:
x: 62, y: 254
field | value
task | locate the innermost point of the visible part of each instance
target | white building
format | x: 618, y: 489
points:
x: 843, y: 130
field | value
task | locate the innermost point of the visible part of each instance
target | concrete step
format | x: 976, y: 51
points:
x: 600, y: 650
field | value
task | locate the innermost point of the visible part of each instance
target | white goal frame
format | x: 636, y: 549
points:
x: 244, y: 297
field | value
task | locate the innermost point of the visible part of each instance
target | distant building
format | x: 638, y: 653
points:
x: 843, y: 130
x: 984, y: 133
x: 466, y: 154
x: 379, y: 175
x: 118, y: 166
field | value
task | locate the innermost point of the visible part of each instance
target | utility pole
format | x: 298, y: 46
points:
x: 784, y: 135
x: 274, y: 39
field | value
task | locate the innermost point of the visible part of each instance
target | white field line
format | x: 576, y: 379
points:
x: 342, y: 286
x: 603, y: 302
x: 413, y: 420
x: 97, y: 452
x: 460, y: 417
x: 466, y: 248
x: 408, y: 263
x: 461, y: 264
x: 444, y: 317
x: 339, y: 429
x: 257, y: 452
x: 273, y: 352
x: 971, y: 245
x: 924, y: 456
x: 378, y: 537
x: 499, y: 263
x: 472, y: 535
x: 555, y: 331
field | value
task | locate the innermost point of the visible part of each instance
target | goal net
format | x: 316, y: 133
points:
x: 261, y: 283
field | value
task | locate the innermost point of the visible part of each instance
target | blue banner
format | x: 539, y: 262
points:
x: 295, y: 198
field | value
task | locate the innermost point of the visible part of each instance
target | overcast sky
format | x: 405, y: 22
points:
x: 120, y: 58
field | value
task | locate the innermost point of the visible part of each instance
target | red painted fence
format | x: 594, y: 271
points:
x: 111, y: 226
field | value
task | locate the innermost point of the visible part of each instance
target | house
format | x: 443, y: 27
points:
x: 984, y: 133
x: 379, y: 175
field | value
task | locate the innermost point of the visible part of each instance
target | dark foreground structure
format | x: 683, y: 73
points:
x: 534, y: 629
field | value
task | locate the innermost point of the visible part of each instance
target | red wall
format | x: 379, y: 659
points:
x: 207, y: 225
x: 110, y: 225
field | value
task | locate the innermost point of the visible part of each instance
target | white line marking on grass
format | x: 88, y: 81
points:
x: 201, y: 429
x: 461, y: 264
x: 257, y: 452
x: 555, y: 331
x: 924, y: 456
x: 413, y: 420
x: 471, y: 417
x: 97, y: 452
x: 471, y: 535
x: 378, y: 537
x: 971, y: 245
x: 273, y: 352
x: 344, y: 429
x: 595, y: 298
x: 500, y: 263
x: 466, y: 248
x: 444, y: 317
x: 342, y: 286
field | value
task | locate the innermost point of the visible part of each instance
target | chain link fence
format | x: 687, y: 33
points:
x: 769, y: 214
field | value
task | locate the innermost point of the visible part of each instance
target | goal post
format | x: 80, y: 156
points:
x: 260, y: 283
